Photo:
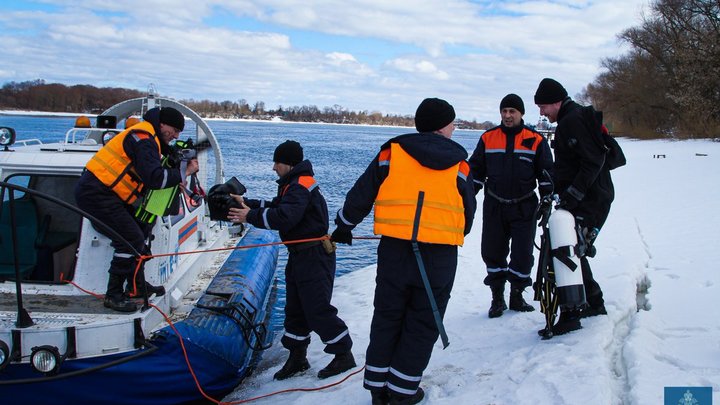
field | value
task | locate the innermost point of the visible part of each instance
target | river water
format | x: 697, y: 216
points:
x: 339, y: 154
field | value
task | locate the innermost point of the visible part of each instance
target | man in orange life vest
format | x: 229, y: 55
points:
x: 300, y: 212
x: 508, y: 162
x: 422, y: 173
x: 114, y: 179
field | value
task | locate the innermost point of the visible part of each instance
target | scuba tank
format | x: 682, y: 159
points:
x: 566, y: 261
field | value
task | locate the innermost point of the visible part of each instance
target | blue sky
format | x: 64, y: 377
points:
x: 372, y: 55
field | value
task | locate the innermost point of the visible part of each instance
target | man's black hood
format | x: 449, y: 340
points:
x: 153, y: 116
x: 431, y: 150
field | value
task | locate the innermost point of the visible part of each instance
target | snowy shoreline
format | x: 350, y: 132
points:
x: 657, y: 265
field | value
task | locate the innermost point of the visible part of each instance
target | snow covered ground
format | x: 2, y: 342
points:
x: 657, y: 263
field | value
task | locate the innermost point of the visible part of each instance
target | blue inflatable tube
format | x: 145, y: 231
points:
x: 222, y: 336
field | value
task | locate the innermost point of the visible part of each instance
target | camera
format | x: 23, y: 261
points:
x: 181, y: 151
x: 220, y: 201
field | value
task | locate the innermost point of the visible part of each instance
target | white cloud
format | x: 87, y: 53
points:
x: 422, y: 67
x: 471, y: 53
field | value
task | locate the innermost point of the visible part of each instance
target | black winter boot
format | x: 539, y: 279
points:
x: 498, y: 305
x: 114, y: 298
x: 595, y: 305
x: 397, y: 399
x: 380, y: 397
x: 568, y: 322
x: 517, y: 302
x: 593, y: 310
x: 297, y: 362
x: 341, y: 363
x: 159, y: 291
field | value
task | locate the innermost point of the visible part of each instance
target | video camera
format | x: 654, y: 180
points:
x: 220, y: 201
x: 181, y: 151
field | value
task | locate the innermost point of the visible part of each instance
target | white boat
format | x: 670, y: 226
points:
x: 59, y: 344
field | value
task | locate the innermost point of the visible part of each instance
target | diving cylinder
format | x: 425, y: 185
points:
x: 568, y: 283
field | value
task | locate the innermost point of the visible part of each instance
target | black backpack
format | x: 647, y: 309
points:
x: 614, y: 155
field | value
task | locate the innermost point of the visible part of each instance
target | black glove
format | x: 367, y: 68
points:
x: 568, y: 202
x: 340, y: 236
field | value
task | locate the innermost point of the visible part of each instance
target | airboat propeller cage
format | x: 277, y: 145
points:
x: 131, y: 107
x: 563, y: 239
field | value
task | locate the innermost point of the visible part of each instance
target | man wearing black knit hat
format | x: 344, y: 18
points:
x: 508, y: 162
x: 120, y: 173
x: 421, y: 187
x: 299, y: 211
x: 582, y: 178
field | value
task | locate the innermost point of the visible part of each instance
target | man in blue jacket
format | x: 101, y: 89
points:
x: 509, y: 161
x: 300, y: 212
x: 582, y: 178
x: 421, y: 187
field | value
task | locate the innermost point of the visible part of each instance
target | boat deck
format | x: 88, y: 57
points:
x: 55, y: 304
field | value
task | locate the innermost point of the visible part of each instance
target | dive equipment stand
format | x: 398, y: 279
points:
x: 544, y: 285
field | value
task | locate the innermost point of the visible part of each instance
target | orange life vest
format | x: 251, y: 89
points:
x: 112, y: 166
x: 442, y: 218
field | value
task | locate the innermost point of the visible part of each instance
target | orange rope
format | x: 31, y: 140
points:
x: 180, y: 338
x: 192, y: 371
x: 142, y: 258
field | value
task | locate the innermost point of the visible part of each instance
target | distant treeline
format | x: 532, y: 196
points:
x: 37, y: 95
x: 668, y: 84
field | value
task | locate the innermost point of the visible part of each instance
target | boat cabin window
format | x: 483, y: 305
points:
x: 46, y: 233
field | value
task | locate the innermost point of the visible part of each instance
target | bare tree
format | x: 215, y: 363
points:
x: 670, y: 81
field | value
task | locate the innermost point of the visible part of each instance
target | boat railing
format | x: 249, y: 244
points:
x: 90, y: 136
x: 28, y: 142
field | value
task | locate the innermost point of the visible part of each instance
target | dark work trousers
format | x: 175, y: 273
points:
x: 309, y: 277
x: 591, y: 215
x: 508, y: 229
x: 110, y: 210
x: 593, y: 293
x: 403, y: 329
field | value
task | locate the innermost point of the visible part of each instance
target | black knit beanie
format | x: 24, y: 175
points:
x: 172, y: 117
x: 513, y: 101
x: 549, y: 91
x: 288, y: 152
x: 433, y: 114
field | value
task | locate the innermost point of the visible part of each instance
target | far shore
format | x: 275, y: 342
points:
x: 276, y: 120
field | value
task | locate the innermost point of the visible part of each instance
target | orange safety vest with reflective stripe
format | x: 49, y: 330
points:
x: 112, y: 166
x: 442, y: 218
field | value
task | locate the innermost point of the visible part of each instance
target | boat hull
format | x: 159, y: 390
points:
x: 217, y: 337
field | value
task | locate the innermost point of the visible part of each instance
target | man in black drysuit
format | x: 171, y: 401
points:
x: 300, y: 212
x: 582, y: 178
